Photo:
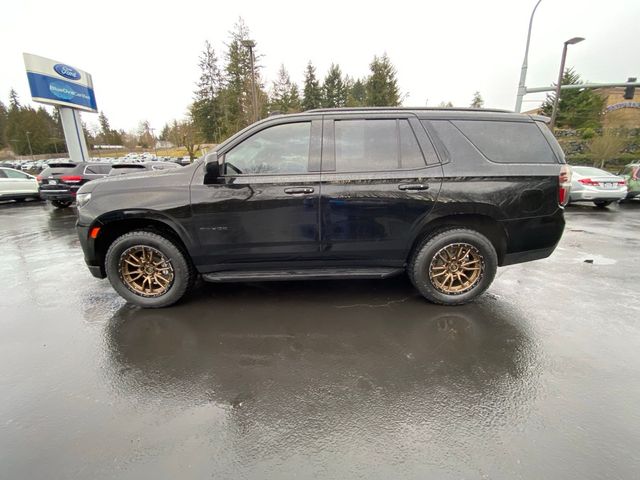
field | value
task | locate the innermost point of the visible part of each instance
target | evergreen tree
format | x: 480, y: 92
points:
x: 164, y: 133
x: 382, y: 84
x: 576, y: 108
x: 312, y: 93
x: 357, y: 94
x: 334, y: 92
x: 280, y: 91
x: 3, y: 125
x: 237, y: 95
x: 206, y: 109
x: 477, y: 101
x: 14, y: 102
x: 295, y: 104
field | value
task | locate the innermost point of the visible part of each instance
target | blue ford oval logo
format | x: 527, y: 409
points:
x: 66, y: 71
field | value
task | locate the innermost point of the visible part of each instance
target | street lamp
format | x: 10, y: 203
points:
x: 250, y: 44
x: 554, y: 112
x: 522, y: 89
x: 29, y: 143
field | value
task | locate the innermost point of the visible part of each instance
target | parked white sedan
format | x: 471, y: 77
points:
x: 17, y: 185
x: 590, y: 184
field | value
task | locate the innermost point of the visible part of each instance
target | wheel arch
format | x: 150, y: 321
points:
x: 115, y: 224
x: 484, y: 224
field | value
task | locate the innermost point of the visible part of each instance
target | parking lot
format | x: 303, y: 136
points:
x: 540, y: 378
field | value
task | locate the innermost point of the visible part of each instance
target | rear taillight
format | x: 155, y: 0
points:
x: 589, y: 182
x: 71, y: 178
x: 39, y: 178
x: 622, y: 182
x: 564, y: 183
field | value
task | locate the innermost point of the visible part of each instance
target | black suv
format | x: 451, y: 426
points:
x: 444, y: 195
x: 60, y: 182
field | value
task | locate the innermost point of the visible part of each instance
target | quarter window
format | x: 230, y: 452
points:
x: 281, y: 149
x: 376, y: 145
x: 508, y: 142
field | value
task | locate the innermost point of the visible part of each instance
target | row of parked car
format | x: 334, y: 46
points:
x: 37, y: 166
x: 59, y: 182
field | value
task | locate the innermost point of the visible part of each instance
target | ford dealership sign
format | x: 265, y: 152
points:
x: 57, y: 83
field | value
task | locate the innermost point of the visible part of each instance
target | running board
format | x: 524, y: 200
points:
x: 308, y: 274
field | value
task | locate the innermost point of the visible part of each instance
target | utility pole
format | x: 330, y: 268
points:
x: 29, y: 143
x: 250, y: 44
x: 522, y: 89
x: 554, y: 112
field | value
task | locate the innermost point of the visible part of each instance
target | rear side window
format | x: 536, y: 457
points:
x: 2, y: 174
x: 376, y: 145
x: 508, y: 142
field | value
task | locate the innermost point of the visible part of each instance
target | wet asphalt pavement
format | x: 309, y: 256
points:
x: 540, y: 378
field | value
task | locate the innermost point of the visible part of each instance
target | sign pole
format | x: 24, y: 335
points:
x: 73, y: 134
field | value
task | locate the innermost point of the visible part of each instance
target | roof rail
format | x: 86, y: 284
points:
x: 445, y: 109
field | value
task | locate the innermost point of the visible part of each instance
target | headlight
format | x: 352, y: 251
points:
x: 82, y: 199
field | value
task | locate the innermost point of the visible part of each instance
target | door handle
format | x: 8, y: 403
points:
x: 413, y: 186
x: 298, y: 190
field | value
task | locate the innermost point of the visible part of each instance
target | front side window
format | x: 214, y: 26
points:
x: 376, y: 145
x: 281, y: 149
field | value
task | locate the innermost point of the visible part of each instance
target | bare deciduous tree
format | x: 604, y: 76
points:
x: 606, y: 147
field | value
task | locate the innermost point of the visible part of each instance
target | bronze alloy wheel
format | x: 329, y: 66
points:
x: 456, y: 268
x: 146, y: 271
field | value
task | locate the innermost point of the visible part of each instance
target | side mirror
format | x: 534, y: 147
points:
x: 212, y: 168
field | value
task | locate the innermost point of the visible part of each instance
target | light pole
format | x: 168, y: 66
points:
x: 155, y: 142
x: 250, y: 44
x: 29, y: 143
x: 554, y: 112
x: 522, y: 89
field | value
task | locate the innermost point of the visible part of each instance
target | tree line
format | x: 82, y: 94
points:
x: 230, y: 93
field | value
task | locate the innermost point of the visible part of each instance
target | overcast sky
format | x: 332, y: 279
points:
x: 143, y: 55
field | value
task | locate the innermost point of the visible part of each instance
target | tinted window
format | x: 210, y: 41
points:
x: 280, y: 149
x: 410, y: 154
x: 97, y: 169
x: 375, y: 145
x: 2, y: 174
x: 507, y: 142
x: 460, y: 150
x: 15, y: 174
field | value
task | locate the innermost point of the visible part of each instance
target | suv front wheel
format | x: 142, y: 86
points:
x: 454, y: 266
x: 148, y: 270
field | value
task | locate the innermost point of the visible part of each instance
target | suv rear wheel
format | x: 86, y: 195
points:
x: 453, y: 266
x: 148, y: 270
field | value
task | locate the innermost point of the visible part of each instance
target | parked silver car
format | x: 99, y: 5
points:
x: 590, y: 184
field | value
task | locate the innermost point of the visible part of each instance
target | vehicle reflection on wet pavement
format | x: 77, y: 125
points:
x: 350, y: 379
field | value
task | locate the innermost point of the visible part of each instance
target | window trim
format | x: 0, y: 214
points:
x: 315, y: 136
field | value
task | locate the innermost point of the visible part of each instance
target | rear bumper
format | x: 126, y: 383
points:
x: 94, y: 263
x: 62, y: 195
x: 532, y: 238
x: 600, y: 195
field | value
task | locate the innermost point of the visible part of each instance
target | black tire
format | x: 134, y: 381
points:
x: 60, y: 203
x: 184, y: 274
x: 602, y: 204
x: 420, y: 265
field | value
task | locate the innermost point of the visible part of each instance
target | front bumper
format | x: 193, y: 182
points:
x: 88, y: 244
